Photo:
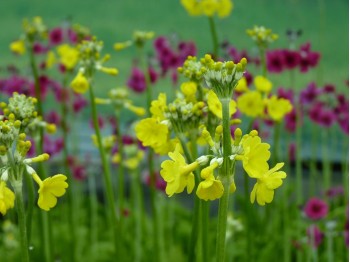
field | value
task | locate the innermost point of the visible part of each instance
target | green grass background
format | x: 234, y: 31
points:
x: 324, y: 24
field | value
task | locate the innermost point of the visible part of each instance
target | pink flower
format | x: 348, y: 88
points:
x: 160, y: 184
x: 291, y: 58
x: 56, y: 36
x: 335, y: 191
x: 310, y: 93
x: 79, y: 103
x: 315, y: 235
x: 53, y: 117
x: 291, y: 152
x: 316, y: 209
x: 275, y: 61
x: 137, y: 81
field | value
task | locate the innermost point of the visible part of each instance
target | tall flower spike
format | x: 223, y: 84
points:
x: 50, y: 189
x: 177, y: 173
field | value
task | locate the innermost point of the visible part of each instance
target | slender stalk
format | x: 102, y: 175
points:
x: 17, y: 186
x: 325, y: 160
x: 225, y: 174
x: 276, y: 144
x: 135, y: 187
x: 30, y: 205
x: 71, y: 212
x: 93, y: 210
x: 121, y: 182
x: 263, y: 61
x: 313, y: 167
x: 106, y: 173
x: 214, y: 36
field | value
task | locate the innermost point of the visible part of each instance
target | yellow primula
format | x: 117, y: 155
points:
x: 80, y: 84
x: 189, y: 89
x: 242, y: 85
x: 210, y: 188
x: 18, y: 47
x: 158, y: 107
x: 50, y: 59
x: 7, y: 198
x: 208, y: 8
x: 166, y: 147
x: 215, y: 105
x: 224, y: 8
x: 151, y: 132
x: 177, y: 174
x: 69, y: 56
x: 267, y: 182
x: 255, y: 155
x: 50, y: 189
x: 251, y: 104
x: 277, y: 108
x: 262, y: 84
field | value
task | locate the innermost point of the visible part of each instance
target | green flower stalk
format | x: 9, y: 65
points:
x: 90, y: 62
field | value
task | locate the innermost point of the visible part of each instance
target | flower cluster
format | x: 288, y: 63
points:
x: 262, y: 36
x: 221, y: 8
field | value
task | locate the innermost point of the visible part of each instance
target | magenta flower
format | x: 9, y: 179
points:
x: 291, y: 58
x: 309, y: 94
x: 335, y: 191
x: 291, y: 121
x: 79, y: 103
x: 329, y: 89
x: 326, y: 117
x: 53, y: 117
x: 285, y: 93
x: 56, y: 36
x: 53, y: 146
x: 137, y: 80
x: 316, y: 208
x: 38, y: 48
x: 291, y: 152
x: 160, y: 184
x: 315, y: 235
x: 275, y: 61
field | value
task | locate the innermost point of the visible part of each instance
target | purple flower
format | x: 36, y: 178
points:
x: 53, y: 146
x: 291, y: 121
x: 285, y: 93
x: 275, y: 61
x: 160, y: 184
x: 56, y: 36
x: 291, y: 152
x: 335, y: 191
x: 53, y: 118
x: 72, y: 36
x: 137, y: 80
x: 79, y: 103
x: 38, y: 48
x: 309, y: 94
x: 315, y: 235
x: 316, y: 208
x: 329, y: 89
x: 326, y: 117
x: 291, y: 59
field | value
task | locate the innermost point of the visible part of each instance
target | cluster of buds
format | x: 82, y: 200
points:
x: 19, y: 115
x: 139, y: 39
x: 223, y: 77
x: 192, y: 69
x: 118, y: 98
x: 90, y: 61
x: 262, y: 36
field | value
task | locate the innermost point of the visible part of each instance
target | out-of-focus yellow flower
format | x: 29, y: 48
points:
x: 122, y: 45
x: 80, y: 84
x: 50, y: 59
x: 255, y: 155
x: 277, y: 108
x: 69, y: 56
x: 50, y: 189
x: 210, y: 188
x: 189, y: 89
x: 158, y: 107
x: 107, y: 142
x: 215, y: 105
x: 267, y: 181
x: 109, y: 71
x: 177, y: 173
x: 262, y: 84
x: 140, y: 111
x: 224, y: 8
x: 242, y: 85
x: 208, y: 8
x: 18, y: 47
x: 151, y: 133
x: 251, y: 104
x: 167, y: 147
x: 7, y: 198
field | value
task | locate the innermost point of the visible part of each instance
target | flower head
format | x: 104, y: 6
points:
x: 7, y: 198
x: 277, y: 108
x: 316, y: 209
x: 262, y: 84
x: 50, y: 189
x: 151, y: 132
x: 177, y: 173
x: 267, y: 181
x: 210, y: 188
x: 80, y: 84
x: 18, y: 47
x: 251, y: 104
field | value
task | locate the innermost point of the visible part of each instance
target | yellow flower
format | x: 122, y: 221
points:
x: 68, y: 56
x: 140, y: 111
x: 18, y: 47
x: 251, y: 103
x: 177, y: 173
x: 210, y: 188
x: 107, y: 141
x: 189, y: 89
x: 262, y: 84
x: 215, y: 105
x: 255, y: 155
x: 50, y: 59
x: 7, y: 198
x: 151, y: 133
x: 80, y: 84
x: 242, y: 85
x: 192, y: 7
x: 267, y: 181
x: 121, y: 46
x: 209, y: 7
x: 50, y: 189
x: 166, y: 147
x: 224, y: 8
x: 158, y: 107
x: 277, y: 108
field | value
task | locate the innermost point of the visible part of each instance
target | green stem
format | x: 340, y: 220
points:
x: 325, y: 160
x: 17, y: 186
x: 345, y: 168
x: 71, y: 216
x: 30, y: 206
x: 313, y: 167
x: 276, y: 140
x: 121, y: 182
x: 106, y: 173
x: 263, y: 62
x: 249, y: 246
x: 93, y: 210
x: 214, y: 36
x: 137, y: 217
x: 225, y: 173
